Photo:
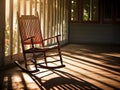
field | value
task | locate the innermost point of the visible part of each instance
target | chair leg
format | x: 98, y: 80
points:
x: 26, y: 64
x: 45, y: 58
x: 25, y: 60
x: 35, y: 62
x: 59, y: 51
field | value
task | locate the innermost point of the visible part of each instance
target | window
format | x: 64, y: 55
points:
x: 117, y: 10
x: 111, y: 11
x: 74, y: 10
x: 90, y: 10
x: 108, y: 6
x: 95, y: 11
x: 85, y: 10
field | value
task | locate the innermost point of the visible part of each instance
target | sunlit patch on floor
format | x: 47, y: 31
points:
x: 87, y: 68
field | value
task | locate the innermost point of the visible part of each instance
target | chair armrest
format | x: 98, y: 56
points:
x: 29, y: 38
x: 51, y: 37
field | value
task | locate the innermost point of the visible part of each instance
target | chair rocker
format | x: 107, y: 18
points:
x: 30, y: 33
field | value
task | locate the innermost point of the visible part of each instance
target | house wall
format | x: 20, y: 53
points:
x: 94, y: 33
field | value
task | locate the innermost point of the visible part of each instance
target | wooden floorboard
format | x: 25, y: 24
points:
x: 87, y: 67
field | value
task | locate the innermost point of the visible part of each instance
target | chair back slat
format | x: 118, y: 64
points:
x: 30, y: 27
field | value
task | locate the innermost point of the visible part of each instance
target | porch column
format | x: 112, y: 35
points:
x: 2, y: 32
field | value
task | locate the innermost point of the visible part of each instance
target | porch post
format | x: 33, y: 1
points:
x: 2, y: 32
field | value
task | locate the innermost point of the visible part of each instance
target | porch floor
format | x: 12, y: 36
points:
x: 88, y: 67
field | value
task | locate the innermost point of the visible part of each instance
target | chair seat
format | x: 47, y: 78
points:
x: 42, y: 49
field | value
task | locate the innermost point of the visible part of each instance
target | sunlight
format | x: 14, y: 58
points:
x: 112, y: 54
x: 82, y: 57
x: 17, y: 83
x: 82, y: 71
x: 5, y: 82
x: 5, y: 79
x: 47, y: 14
x: 16, y: 78
x: 29, y: 82
x: 89, y: 72
x: 96, y: 56
x: 27, y: 78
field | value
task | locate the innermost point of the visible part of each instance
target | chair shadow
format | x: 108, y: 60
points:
x: 66, y: 82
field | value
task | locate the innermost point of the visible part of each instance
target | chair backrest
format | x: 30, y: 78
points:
x: 29, y: 26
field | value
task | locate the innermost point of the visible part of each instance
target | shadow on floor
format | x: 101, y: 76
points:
x: 88, y: 67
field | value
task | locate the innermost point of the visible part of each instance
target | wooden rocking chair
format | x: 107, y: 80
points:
x: 30, y: 33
